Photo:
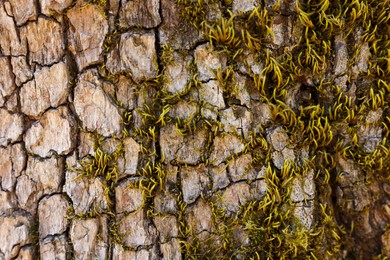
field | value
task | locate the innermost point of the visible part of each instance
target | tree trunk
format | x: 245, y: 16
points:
x: 163, y: 129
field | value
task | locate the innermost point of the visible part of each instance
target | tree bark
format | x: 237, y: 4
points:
x: 194, y: 129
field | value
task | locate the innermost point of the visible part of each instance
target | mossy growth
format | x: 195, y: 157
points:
x: 318, y: 121
x: 267, y: 228
x: 101, y: 164
x: 101, y: 3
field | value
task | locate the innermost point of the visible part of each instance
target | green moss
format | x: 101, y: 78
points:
x: 271, y: 228
x: 101, y: 3
x: 273, y: 232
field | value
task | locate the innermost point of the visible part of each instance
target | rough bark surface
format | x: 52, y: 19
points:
x: 163, y: 129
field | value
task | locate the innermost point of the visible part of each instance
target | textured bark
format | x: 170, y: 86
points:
x: 163, y: 129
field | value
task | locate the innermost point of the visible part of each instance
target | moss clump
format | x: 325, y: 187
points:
x: 325, y: 119
x: 318, y: 121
